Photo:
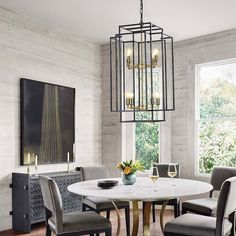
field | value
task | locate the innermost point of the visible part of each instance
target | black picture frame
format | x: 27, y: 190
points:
x: 47, y: 122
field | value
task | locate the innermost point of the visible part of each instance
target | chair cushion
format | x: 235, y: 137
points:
x: 195, y: 225
x: 103, y: 204
x: 81, y: 221
x: 203, y: 205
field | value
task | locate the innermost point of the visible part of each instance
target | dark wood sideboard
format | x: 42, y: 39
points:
x: 27, y: 200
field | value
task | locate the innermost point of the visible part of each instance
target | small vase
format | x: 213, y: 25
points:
x: 128, y: 179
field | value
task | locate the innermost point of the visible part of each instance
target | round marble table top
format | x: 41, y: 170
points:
x: 143, y: 189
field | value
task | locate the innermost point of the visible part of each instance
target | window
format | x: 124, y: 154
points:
x: 147, y: 143
x: 216, y: 115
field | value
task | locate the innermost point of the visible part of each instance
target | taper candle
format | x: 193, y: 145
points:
x: 28, y: 162
x: 36, y: 161
x: 68, y: 162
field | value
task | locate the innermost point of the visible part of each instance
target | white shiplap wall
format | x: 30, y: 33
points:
x: 32, y: 50
x: 111, y: 126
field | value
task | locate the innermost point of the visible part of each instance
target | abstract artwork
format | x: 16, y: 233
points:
x: 47, y: 121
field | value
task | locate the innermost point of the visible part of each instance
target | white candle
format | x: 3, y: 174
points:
x: 74, y: 152
x: 68, y: 157
x: 28, y: 158
x: 36, y: 160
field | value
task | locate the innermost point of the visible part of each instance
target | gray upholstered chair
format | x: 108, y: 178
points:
x: 163, y: 169
x: 200, y: 225
x: 70, y: 224
x: 100, y: 204
x: 207, y: 206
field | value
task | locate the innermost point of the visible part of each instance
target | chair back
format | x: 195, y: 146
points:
x: 163, y: 169
x: 52, y: 200
x: 220, y: 174
x: 226, y: 204
x: 93, y: 172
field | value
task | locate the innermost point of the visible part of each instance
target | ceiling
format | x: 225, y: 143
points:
x: 97, y: 20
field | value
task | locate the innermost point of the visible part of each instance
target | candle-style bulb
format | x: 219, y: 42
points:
x: 128, y: 57
x: 155, y: 57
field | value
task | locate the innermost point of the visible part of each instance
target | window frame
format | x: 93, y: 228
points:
x: 197, y: 110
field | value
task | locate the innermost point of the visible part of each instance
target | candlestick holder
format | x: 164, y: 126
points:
x: 68, y: 167
x: 28, y: 168
x: 36, y: 170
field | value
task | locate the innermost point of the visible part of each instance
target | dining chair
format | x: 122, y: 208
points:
x: 69, y: 224
x: 200, y: 225
x: 163, y: 172
x: 207, y: 206
x: 100, y: 204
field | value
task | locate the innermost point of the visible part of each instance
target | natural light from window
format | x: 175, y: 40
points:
x: 216, y: 115
x: 147, y: 143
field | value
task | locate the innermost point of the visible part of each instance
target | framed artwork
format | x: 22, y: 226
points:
x: 47, y: 122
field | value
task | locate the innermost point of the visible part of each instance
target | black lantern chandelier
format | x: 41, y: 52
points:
x: 141, y: 72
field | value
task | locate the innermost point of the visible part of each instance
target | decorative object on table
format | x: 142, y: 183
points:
x: 141, y: 72
x: 172, y: 172
x: 163, y: 173
x: 106, y: 184
x: 153, y: 174
x: 47, y: 121
x: 129, y: 169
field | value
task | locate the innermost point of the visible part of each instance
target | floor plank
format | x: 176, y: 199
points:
x: 39, y: 230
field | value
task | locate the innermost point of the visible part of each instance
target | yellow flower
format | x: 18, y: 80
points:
x: 127, y: 170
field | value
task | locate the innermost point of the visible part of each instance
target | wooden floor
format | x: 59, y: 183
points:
x: 39, y: 230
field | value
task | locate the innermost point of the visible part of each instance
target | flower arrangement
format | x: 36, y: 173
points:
x: 130, y: 167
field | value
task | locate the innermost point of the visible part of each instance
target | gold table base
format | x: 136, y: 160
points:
x: 146, y: 218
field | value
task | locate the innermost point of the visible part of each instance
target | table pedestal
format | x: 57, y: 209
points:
x: 146, y: 218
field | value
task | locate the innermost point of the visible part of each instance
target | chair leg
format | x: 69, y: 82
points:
x: 178, y: 207
x: 176, y: 210
x: 184, y: 211
x: 48, y: 214
x: 127, y: 220
x: 232, y: 220
x: 108, y: 215
x: 83, y: 207
x: 153, y: 213
x: 108, y: 232
x: 48, y: 231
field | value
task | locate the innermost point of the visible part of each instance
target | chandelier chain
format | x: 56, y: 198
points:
x: 141, y: 12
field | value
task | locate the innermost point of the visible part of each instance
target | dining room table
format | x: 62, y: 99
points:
x: 145, y: 191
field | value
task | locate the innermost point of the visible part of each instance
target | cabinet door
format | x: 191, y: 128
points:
x: 21, y: 220
x: 37, y: 210
x: 71, y: 202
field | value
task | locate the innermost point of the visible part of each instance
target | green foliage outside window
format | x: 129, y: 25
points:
x: 147, y: 142
x: 217, y: 125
